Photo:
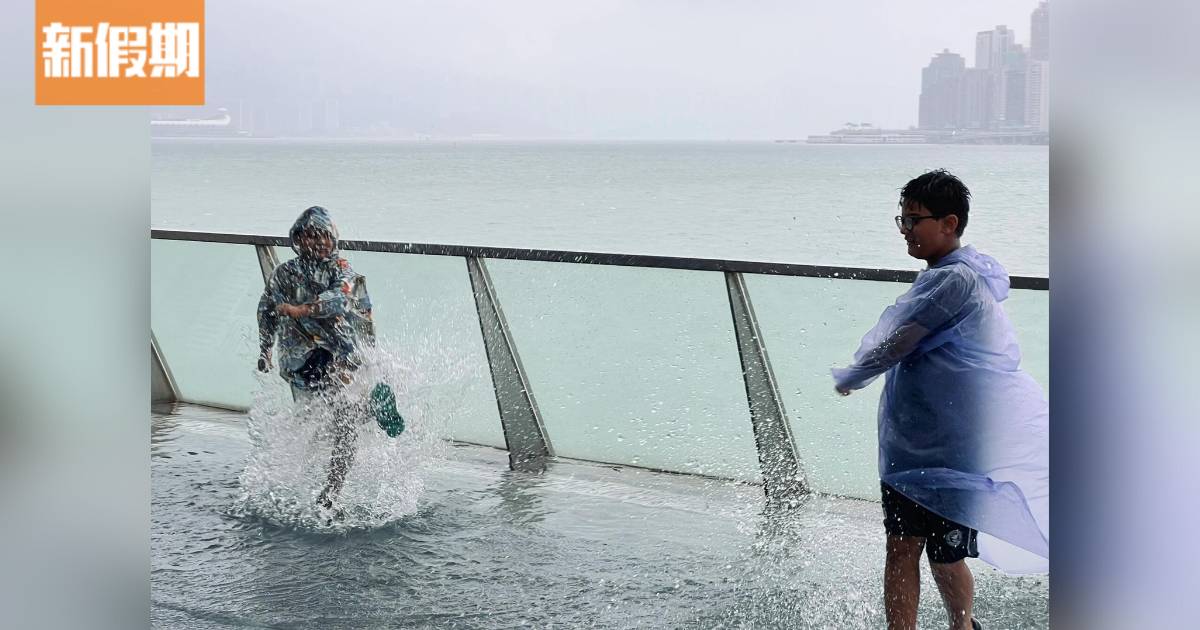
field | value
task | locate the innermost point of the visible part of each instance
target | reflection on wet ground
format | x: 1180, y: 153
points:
x: 582, y: 545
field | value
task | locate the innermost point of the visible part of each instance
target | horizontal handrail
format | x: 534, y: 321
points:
x: 591, y: 258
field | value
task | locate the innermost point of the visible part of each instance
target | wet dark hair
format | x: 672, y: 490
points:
x: 314, y: 231
x: 942, y: 193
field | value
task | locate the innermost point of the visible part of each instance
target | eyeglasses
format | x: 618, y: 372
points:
x: 907, y: 222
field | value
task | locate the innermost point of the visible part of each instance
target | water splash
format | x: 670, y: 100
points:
x: 292, y: 441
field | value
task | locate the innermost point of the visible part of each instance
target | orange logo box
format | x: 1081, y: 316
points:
x: 119, y: 52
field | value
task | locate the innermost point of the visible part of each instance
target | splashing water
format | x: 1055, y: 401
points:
x: 292, y: 441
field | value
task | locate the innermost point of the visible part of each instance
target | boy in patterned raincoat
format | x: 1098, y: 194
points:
x: 316, y: 308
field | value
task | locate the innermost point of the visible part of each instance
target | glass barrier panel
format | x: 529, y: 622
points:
x: 203, y: 304
x: 1029, y: 312
x: 628, y: 365
x: 813, y: 324
x: 632, y: 365
x: 428, y: 332
x: 810, y: 325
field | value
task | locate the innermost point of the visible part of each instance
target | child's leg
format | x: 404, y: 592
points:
x: 344, y: 434
x: 948, y: 546
x: 957, y: 587
x: 902, y: 581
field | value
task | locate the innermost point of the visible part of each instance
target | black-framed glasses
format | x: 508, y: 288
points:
x: 907, y: 222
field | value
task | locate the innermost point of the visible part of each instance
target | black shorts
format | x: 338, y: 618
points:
x: 318, y: 369
x: 945, y: 540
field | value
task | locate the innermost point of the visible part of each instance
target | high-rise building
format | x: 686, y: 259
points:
x: 991, y: 47
x: 1008, y: 87
x: 1037, y: 82
x: 1014, y: 74
x: 1039, y: 33
x: 940, y: 81
x: 983, y: 49
x: 1037, y: 96
x: 992, y: 50
x: 975, y: 99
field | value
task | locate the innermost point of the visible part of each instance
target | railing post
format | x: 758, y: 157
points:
x: 783, y: 479
x: 524, y: 431
x: 163, y: 388
x: 267, y: 261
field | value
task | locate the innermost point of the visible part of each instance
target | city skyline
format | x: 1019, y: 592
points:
x: 1005, y: 88
x: 591, y: 70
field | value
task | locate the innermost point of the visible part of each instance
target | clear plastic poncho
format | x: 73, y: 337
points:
x: 962, y: 430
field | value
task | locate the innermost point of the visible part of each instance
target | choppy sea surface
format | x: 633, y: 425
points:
x: 816, y: 204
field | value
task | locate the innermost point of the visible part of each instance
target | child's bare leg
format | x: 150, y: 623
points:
x: 902, y: 581
x: 345, y: 431
x: 342, y: 456
x: 957, y: 587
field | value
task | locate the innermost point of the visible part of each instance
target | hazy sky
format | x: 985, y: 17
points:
x: 702, y: 69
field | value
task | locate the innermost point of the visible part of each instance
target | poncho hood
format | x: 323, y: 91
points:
x: 994, y: 275
x: 314, y: 218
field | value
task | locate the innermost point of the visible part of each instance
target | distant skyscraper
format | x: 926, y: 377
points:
x: 983, y: 49
x: 1037, y: 83
x: 1014, y: 75
x: 940, y: 85
x: 1007, y: 88
x: 1039, y: 33
x: 975, y: 99
x: 1037, y: 96
x: 991, y: 47
x: 994, y: 52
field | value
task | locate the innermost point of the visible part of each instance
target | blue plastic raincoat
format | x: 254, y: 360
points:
x: 963, y: 431
x: 341, y: 321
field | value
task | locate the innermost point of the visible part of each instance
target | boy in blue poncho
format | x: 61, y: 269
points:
x: 963, y: 432
x: 319, y: 308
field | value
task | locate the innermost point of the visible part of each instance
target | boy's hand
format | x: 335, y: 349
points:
x: 842, y: 391
x: 264, y: 361
x: 295, y: 310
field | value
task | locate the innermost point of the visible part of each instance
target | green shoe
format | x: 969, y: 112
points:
x: 383, y: 405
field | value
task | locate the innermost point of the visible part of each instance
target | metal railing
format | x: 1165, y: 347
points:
x: 525, y: 434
